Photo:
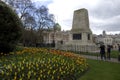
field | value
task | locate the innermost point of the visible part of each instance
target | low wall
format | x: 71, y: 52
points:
x: 81, y: 48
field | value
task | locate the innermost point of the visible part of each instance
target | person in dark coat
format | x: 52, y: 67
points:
x: 102, y: 52
x: 108, y: 51
x: 119, y: 48
x: 118, y: 52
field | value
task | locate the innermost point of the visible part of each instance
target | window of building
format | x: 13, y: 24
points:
x: 88, y: 36
x: 77, y: 36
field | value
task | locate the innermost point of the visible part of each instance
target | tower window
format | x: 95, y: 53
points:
x: 88, y: 36
x: 77, y: 36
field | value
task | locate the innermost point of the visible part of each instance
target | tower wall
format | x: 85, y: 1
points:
x: 80, y: 21
x: 80, y: 35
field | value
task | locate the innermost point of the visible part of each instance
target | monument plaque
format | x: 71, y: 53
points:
x: 76, y: 36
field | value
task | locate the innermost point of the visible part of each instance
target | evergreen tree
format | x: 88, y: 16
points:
x: 10, y: 28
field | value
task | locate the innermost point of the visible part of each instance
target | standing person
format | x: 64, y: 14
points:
x: 119, y: 48
x: 118, y: 52
x: 102, y: 51
x: 108, y: 51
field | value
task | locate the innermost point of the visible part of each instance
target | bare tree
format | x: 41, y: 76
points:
x: 35, y: 19
x: 22, y: 7
x: 44, y: 20
x: 29, y: 37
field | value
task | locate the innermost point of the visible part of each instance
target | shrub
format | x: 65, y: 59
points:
x: 10, y: 28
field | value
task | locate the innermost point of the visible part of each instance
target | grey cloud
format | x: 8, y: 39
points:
x: 109, y: 12
x: 68, y: 22
x: 107, y: 27
x: 106, y: 9
x: 115, y: 27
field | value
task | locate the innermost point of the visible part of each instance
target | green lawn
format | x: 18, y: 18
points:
x: 114, y: 54
x: 102, y: 70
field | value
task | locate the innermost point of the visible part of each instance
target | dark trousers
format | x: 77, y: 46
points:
x: 118, y: 57
x: 108, y: 55
x: 103, y: 56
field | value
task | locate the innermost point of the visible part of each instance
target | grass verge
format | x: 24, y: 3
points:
x: 101, y: 70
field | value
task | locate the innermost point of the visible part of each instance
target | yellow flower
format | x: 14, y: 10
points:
x: 22, y: 68
x: 15, y: 78
x: 39, y: 78
x: 15, y: 67
x: 52, y: 77
x: 18, y: 69
x: 11, y: 69
x: 23, y: 75
x: 7, y: 73
x: 54, y: 71
x: 20, y: 79
x: 2, y: 72
x: 48, y: 72
x: 15, y: 73
x: 34, y: 73
x: 36, y: 65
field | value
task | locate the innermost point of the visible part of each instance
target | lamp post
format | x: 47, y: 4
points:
x: 53, y: 43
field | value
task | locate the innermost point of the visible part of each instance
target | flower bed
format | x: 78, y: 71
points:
x: 41, y: 64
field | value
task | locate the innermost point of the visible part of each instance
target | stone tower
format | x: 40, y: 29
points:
x: 80, y: 33
x: 80, y: 21
x: 80, y: 36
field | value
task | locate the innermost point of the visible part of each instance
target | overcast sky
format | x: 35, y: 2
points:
x: 103, y: 14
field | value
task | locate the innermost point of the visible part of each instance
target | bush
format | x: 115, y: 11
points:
x: 10, y: 28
